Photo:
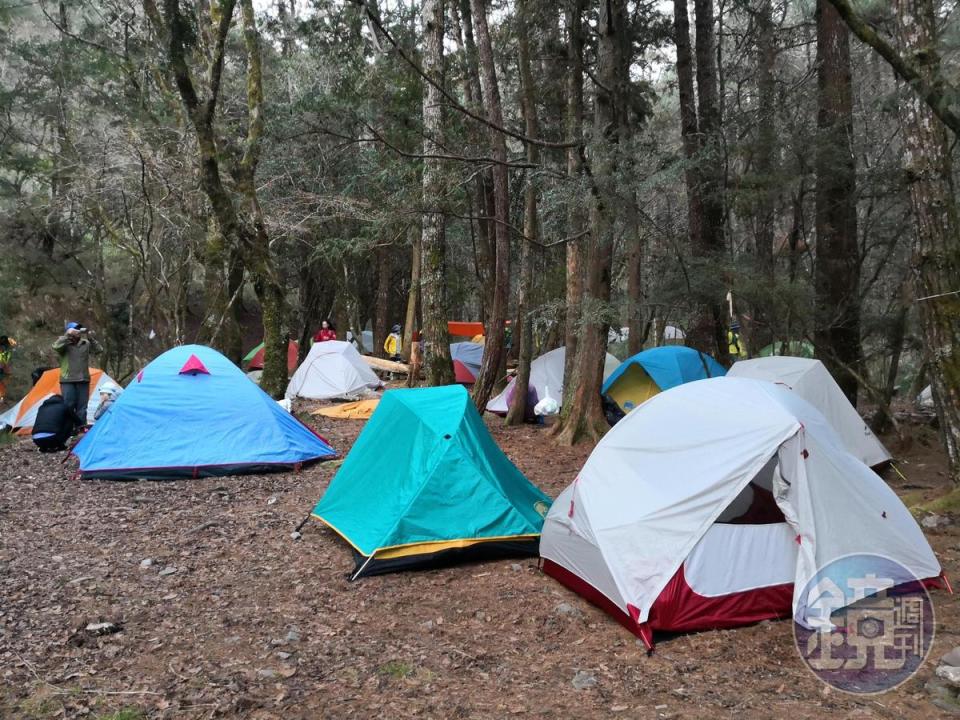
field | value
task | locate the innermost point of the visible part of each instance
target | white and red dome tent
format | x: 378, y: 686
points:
x: 332, y: 369
x: 814, y: 383
x: 709, y: 506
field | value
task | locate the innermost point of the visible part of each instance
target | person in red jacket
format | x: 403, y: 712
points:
x: 326, y: 332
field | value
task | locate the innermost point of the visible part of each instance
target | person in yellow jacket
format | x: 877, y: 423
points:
x: 734, y: 343
x: 393, y: 345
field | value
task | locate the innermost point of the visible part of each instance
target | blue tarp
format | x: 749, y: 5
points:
x: 670, y: 365
x: 189, y: 413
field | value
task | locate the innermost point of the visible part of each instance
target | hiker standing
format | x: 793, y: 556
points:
x: 6, y: 357
x: 326, y: 332
x: 393, y: 344
x: 74, y: 348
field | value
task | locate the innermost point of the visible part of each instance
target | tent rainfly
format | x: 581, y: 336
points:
x: 332, y: 369
x: 814, y: 383
x: 467, y: 357
x: 193, y: 413
x: 546, y: 372
x: 21, y: 416
x: 652, y: 371
x: 253, y: 360
x: 425, y: 484
x: 713, y: 505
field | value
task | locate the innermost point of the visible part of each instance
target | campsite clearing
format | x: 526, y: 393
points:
x: 232, y: 618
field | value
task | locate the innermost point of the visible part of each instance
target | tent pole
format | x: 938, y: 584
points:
x: 362, y: 568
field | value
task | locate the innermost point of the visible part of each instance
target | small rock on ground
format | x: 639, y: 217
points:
x: 583, y: 680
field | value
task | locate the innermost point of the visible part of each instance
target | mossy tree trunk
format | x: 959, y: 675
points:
x: 437, y: 364
x: 583, y: 418
x: 246, y: 233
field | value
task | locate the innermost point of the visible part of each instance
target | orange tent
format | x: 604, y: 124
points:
x: 22, y: 415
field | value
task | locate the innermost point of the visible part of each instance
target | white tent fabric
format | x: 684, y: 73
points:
x: 813, y: 382
x: 8, y: 418
x: 546, y: 372
x: 925, y: 398
x: 648, y: 496
x: 332, y: 369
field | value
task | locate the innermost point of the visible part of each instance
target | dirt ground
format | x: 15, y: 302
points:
x: 222, y: 614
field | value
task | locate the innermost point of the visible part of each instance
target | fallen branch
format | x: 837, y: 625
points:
x: 387, y: 365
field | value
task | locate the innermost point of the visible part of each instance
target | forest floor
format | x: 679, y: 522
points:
x: 222, y: 614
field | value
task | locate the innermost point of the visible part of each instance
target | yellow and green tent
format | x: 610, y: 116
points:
x: 425, y: 484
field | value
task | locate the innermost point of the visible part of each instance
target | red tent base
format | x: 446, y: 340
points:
x: 680, y: 609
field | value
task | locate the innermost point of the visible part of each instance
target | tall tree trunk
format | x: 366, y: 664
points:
x: 413, y: 297
x: 494, y: 343
x: 634, y: 270
x: 936, y: 247
x: 760, y: 331
x: 258, y: 256
x: 837, y: 262
x: 438, y: 366
x: 583, y: 418
x: 709, y: 332
x: 482, y: 185
x: 573, y: 19
x: 251, y: 238
x: 523, y: 329
x: 689, y: 124
x: 381, y: 312
x: 219, y: 328
x: 630, y: 207
x: 235, y: 279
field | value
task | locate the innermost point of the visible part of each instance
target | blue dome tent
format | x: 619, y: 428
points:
x: 193, y: 413
x: 652, y: 371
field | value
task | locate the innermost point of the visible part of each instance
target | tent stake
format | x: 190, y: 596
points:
x: 302, y: 523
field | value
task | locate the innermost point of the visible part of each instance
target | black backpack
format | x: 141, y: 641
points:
x: 53, y: 425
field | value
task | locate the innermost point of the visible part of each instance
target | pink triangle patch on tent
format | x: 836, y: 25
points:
x: 194, y: 366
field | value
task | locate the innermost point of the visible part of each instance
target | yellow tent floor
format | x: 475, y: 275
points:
x: 359, y: 410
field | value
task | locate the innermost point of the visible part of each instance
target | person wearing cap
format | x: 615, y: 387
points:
x: 393, y: 344
x: 74, y: 348
x: 109, y: 392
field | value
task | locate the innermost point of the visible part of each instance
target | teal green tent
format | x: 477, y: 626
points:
x: 425, y: 483
x: 793, y: 348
